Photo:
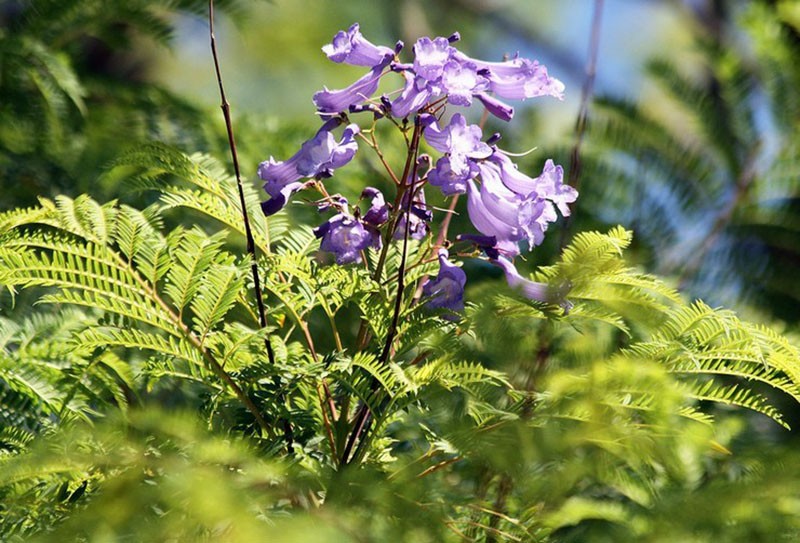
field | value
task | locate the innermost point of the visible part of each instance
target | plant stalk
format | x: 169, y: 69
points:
x: 251, y: 248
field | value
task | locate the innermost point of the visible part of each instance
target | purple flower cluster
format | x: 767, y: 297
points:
x: 505, y: 205
x: 439, y: 69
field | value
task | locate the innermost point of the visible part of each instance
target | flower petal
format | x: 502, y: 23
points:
x: 351, y: 47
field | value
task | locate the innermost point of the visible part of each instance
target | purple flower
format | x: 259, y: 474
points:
x: 458, y: 138
x: 419, y: 217
x: 518, y: 78
x: 416, y: 93
x: 532, y: 290
x: 461, y: 80
x: 317, y: 158
x: 488, y: 224
x: 447, y: 290
x: 452, y: 173
x: 345, y: 237
x: 430, y: 57
x: 551, y: 185
x: 337, y: 101
x: 487, y: 244
x: 463, y: 148
x: 522, y: 212
x: 540, y: 292
x: 378, y: 212
x: 279, y: 200
x: 499, y: 109
x: 351, y: 47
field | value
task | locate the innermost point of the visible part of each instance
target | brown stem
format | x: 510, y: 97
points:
x: 362, y: 419
x: 504, y: 487
x: 251, y: 250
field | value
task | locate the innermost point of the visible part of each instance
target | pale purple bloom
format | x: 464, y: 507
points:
x: 463, y: 148
x: 338, y: 101
x: 499, y: 109
x: 447, y: 290
x: 540, y: 292
x: 458, y: 138
x: 317, y: 158
x: 416, y: 93
x: 551, y: 184
x: 523, y: 213
x: 419, y: 217
x: 378, y: 212
x: 345, y: 237
x: 548, y: 186
x: 430, y: 57
x: 461, y: 81
x: 452, y: 173
x: 518, y: 78
x: 532, y: 290
x: 488, y: 224
x: 351, y: 47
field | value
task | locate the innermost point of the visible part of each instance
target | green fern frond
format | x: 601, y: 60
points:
x: 201, y: 184
x: 699, y: 341
x: 170, y: 346
x: 220, y: 290
x: 735, y: 395
x: 193, y: 255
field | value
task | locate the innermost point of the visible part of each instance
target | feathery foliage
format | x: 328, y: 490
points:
x: 138, y: 399
x: 718, y: 152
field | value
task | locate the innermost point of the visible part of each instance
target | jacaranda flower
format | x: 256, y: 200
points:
x: 338, y: 101
x: 505, y: 205
x: 378, y: 212
x: 462, y: 146
x: 419, y: 215
x: 505, y: 233
x: 509, y: 207
x: 415, y: 94
x: 346, y: 236
x: 418, y: 219
x: 317, y: 158
x: 351, y: 47
x: 447, y: 290
x: 532, y: 290
x: 440, y: 69
x: 518, y: 78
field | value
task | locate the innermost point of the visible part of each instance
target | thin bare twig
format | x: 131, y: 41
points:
x: 251, y: 249
x: 363, y: 418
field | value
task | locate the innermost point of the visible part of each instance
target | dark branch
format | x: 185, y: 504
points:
x: 251, y: 247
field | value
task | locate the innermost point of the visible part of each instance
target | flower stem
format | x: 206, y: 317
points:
x: 363, y: 418
x: 251, y: 250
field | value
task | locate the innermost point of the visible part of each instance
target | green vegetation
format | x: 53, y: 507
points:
x: 138, y: 402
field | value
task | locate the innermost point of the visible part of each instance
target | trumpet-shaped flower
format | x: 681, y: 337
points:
x: 346, y: 236
x: 332, y: 102
x: 378, y: 212
x: 532, y: 290
x: 517, y: 78
x: 351, y: 47
x: 446, y: 291
x: 317, y: 158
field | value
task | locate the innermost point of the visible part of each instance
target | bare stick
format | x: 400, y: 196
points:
x: 363, y: 418
x: 251, y: 247
x: 574, y: 179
